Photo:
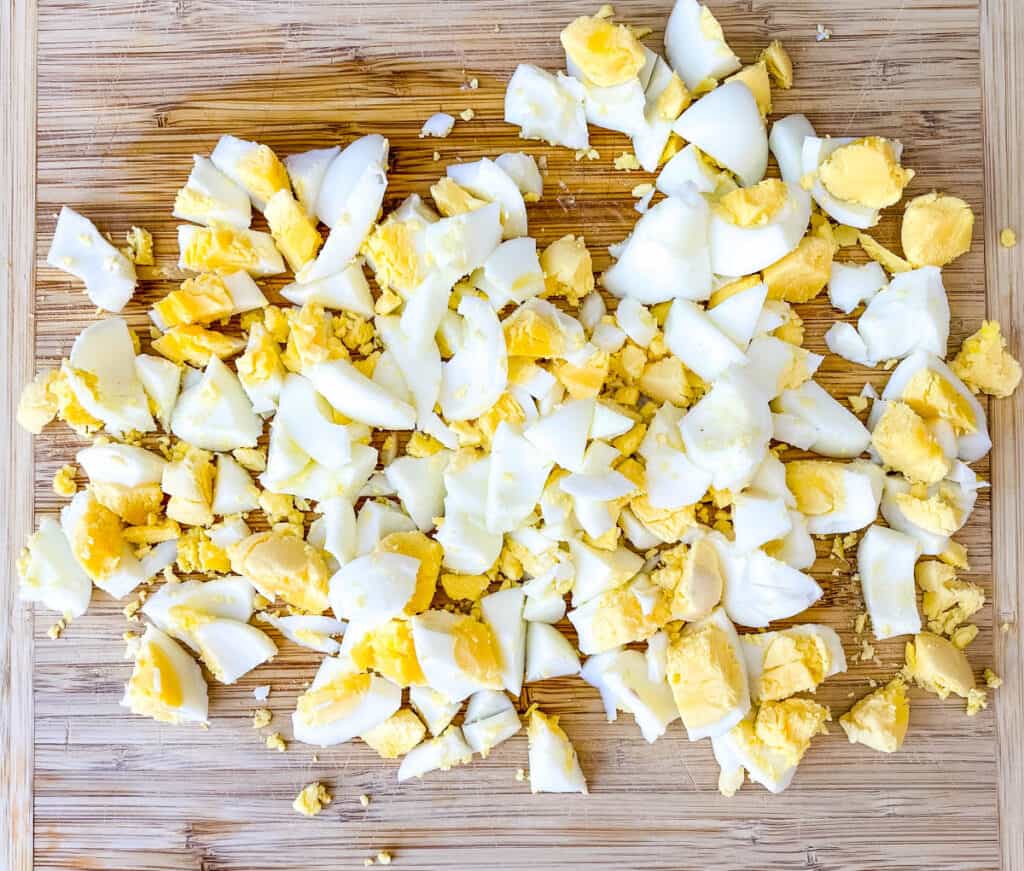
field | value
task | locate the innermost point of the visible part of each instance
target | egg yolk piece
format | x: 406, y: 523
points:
x: 931, y: 395
x: 133, y: 505
x: 866, y: 172
x: 905, y: 444
x: 453, y: 199
x: 397, y: 735
x: 97, y: 541
x: 939, y: 514
x: 947, y: 601
x: 475, y: 652
x: 294, y: 232
x: 262, y: 173
x: 429, y: 553
x: 392, y: 251
x: 389, y: 650
x: 220, y: 248
x: 803, y: 273
x: 936, y: 229
x: 195, y: 345
x: 568, y: 268
x: 753, y: 206
x: 787, y: 727
x: 283, y: 565
x: 880, y: 719
x: 793, y: 663
x: 261, y: 361
x: 984, y: 364
x: 938, y: 666
x: 200, y: 300
x: 705, y: 676
x: 817, y: 486
x: 607, y: 53
x: 154, y: 689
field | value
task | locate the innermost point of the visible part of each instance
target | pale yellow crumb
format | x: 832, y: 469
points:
x: 57, y: 628
x: 1004, y: 627
x: 312, y: 799
x: 467, y: 114
x: 606, y: 11
x: 977, y: 701
x: 367, y: 862
x: 642, y: 190
x: 627, y: 161
x: 437, y: 155
x: 520, y: 774
x: 314, y: 759
x: 384, y: 857
x: 588, y: 153
x: 858, y: 403
x: 364, y: 800
x: 992, y: 680
x: 859, y: 623
x: 276, y: 742
x: 261, y: 717
x: 131, y: 610
x: 64, y: 481
x: 1007, y: 237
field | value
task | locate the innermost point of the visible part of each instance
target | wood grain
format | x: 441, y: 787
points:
x: 127, y: 91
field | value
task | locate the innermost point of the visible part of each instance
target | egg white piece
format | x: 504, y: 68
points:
x: 885, y: 561
x: 228, y: 532
x: 80, y: 249
x: 438, y: 754
x: 438, y: 125
x: 695, y: 45
x: 786, y: 142
x: 413, y: 349
x: 229, y: 155
x: 434, y: 638
x: 727, y: 125
x: 103, y: 378
x: 210, y: 197
x: 547, y: 107
x: 548, y: 654
x: 376, y: 521
x: 310, y: 421
x: 462, y: 243
x: 419, y: 483
x: 686, y: 170
x: 758, y: 519
x: 234, y: 491
x: 797, y: 548
x: 357, y: 397
x: 503, y: 613
x: 512, y: 273
x: 516, y: 478
x: 155, y: 655
x: 773, y: 363
x: 666, y: 255
x: 488, y: 181
x: 372, y: 589
x: 307, y: 171
x: 617, y: 107
x: 345, y: 177
x: 738, y: 315
x: 764, y: 765
x: 694, y: 337
x: 268, y: 259
x: 554, y: 766
x: 727, y: 432
x: 230, y: 649
x: 469, y: 546
x: 755, y: 645
x: 561, y: 436
x: 911, y: 314
x: 862, y: 493
x: 433, y: 708
x: 127, y: 465
x: 161, y: 379
x: 737, y: 251
x: 523, y: 170
x: 608, y: 423
x: 346, y: 290
x: 815, y: 152
x: 623, y: 679
x: 651, y: 135
x: 308, y: 631
x: 843, y: 340
x: 490, y: 720
x: 587, y: 617
x: 216, y: 414
x: 335, y: 530
x: 656, y: 655
x: 173, y: 606
x: 850, y: 284
x: 355, y: 715
x: 476, y: 375
x: 50, y: 574
x: 838, y: 432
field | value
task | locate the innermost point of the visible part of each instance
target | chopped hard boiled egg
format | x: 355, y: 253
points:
x: 885, y: 561
x: 80, y: 249
x: 879, y: 720
x: 166, y: 684
x: 554, y: 766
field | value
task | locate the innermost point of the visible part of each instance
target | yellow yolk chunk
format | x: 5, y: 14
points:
x: 531, y: 334
x: 392, y: 251
x: 285, y: 566
x: 672, y: 101
x: 200, y: 300
x: 294, y: 232
x: 817, y: 486
x: 936, y: 229
x: 476, y: 652
x: 931, y: 395
x: 389, y: 650
x: 984, y: 364
x: 865, y: 172
x: 97, y: 541
x: 397, y: 735
x: 428, y: 552
x: 261, y: 360
x: 793, y: 663
x: 755, y: 77
x: 779, y: 63
x: 195, y: 345
x: 196, y: 553
x: 38, y: 404
x: 787, y: 727
x: 754, y: 206
x: 262, y: 173
x: 665, y: 380
x: 667, y: 523
x: 879, y: 720
x: 694, y: 578
x: 803, y: 273
x: 586, y: 381
x: 568, y: 269
x: 453, y: 199
x: 606, y: 53
x: 219, y: 249
x: 311, y: 339
x: 947, y: 601
x: 469, y: 587
x: 311, y: 800
x: 905, y: 443
x: 133, y: 505
x: 939, y: 514
x: 705, y: 675
x: 154, y: 689
x: 938, y: 666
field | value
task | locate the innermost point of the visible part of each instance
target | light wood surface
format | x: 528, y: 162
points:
x: 127, y: 92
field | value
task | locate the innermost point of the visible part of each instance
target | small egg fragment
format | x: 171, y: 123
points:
x: 623, y: 679
x: 850, y: 284
x: 81, y: 250
x: 936, y: 229
x: 166, y: 684
x: 547, y: 107
x: 433, y: 707
x: 885, y: 561
x: 49, y: 574
x: 490, y: 720
x: 786, y: 142
x: 838, y: 433
x: 554, y: 766
x: 210, y: 197
x: 253, y: 167
x: 937, y: 665
x: 438, y: 754
x: 227, y: 249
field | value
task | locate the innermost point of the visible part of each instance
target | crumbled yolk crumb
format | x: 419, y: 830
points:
x: 936, y: 229
x: 197, y: 553
x: 779, y: 63
x: 1007, y: 237
x: 276, y: 742
x: 905, y: 443
x: 261, y: 717
x: 396, y: 735
x: 947, y: 601
x: 984, y: 364
x: 38, y: 404
x: 753, y: 206
x: 467, y: 114
x: 992, y: 680
x: 627, y: 161
x: 788, y: 726
x: 866, y: 172
x: 364, y: 800
x: 880, y: 719
x: 606, y: 53
x: 312, y: 799
x: 64, y: 481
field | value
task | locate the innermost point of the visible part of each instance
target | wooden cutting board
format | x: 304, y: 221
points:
x: 104, y: 104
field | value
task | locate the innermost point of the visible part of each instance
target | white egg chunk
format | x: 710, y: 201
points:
x: 230, y: 649
x: 707, y: 675
x: 930, y: 517
x: 624, y: 682
x: 433, y: 708
x: 229, y: 531
x: 664, y: 98
x: 80, y: 249
x: 503, y: 614
x: 843, y: 340
x: 419, y: 483
x: 561, y: 436
x: 253, y: 167
x: 598, y: 570
x: 547, y: 107
x: 488, y: 181
x: 459, y: 654
x: 438, y: 125
x: 786, y: 142
x: 696, y: 46
x: 694, y: 337
x: 516, y: 478
x: 666, y: 255
x: 726, y: 124
x: 233, y: 491
x: 359, y: 398
x: 209, y: 197
x: 774, y: 365
x: 49, y: 574
x: 554, y: 766
x: 161, y: 379
x: 690, y: 169
x: 911, y: 314
x: 166, y: 684
x: 223, y: 248
x: 477, y: 373
x: 753, y: 227
x: 523, y: 170
x: 672, y: 479
x: 178, y: 609
x: 618, y: 107
x: 377, y: 521
x: 438, y: 754
x: 656, y: 656
x: 310, y: 422
x: 462, y: 243
x: 838, y: 432
x: 216, y: 414
x: 342, y: 703
x: 885, y: 562
x: 835, y: 498
x: 793, y: 660
x: 101, y: 374
x: 314, y: 633
x: 490, y: 720
x: 306, y: 172
x: 758, y: 519
x: 850, y: 284
x: 738, y: 315
x: 548, y: 654
x: 126, y: 465
x: 728, y: 431
x: 512, y: 273
x: 345, y: 290
x: 469, y: 546
x: 372, y: 589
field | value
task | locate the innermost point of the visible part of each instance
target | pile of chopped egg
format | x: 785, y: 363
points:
x: 453, y: 462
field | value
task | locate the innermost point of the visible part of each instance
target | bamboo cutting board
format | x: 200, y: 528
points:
x: 105, y: 103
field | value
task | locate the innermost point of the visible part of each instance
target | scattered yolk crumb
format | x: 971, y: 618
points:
x: 984, y: 364
x: 1007, y: 237
x: 64, y: 481
x: 880, y: 719
x: 261, y: 717
x: 38, y: 404
x: 606, y: 53
x: 312, y: 799
x: 936, y: 229
x: 866, y: 172
x: 627, y: 161
x: 276, y: 742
